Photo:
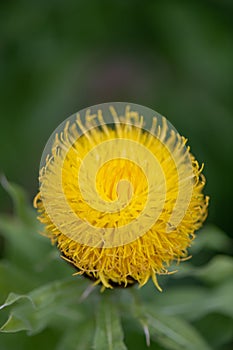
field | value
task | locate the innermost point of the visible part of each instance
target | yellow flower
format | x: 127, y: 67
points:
x: 121, y: 199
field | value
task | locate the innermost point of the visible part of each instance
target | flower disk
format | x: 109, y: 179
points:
x: 120, y: 200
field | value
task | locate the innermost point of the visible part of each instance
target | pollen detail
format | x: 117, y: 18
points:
x: 121, y: 201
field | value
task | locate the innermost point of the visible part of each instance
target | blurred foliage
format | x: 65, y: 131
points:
x: 38, y: 296
x: 57, y: 57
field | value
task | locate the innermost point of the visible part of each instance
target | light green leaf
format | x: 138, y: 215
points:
x: 194, y: 302
x: 217, y: 270
x: 213, y: 238
x: 34, y: 311
x: 169, y: 331
x: 109, y: 334
x: 15, y: 324
x: 188, y: 302
x: 12, y: 298
x: 174, y: 333
x: 52, y: 292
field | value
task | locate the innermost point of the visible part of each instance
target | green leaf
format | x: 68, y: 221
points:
x: 15, y: 324
x: 14, y: 278
x: 24, y: 246
x: 21, y: 204
x: 109, y: 334
x: 220, y: 268
x: 30, y: 253
x: 12, y: 298
x: 213, y: 238
x: 174, y: 333
x: 78, y: 338
x: 221, y: 299
x: 188, y: 302
x: 34, y: 311
x: 216, y: 328
x: 194, y: 302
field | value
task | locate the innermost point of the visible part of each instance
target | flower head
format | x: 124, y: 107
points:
x: 121, y: 199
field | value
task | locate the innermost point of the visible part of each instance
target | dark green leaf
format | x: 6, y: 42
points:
x: 216, y: 328
x: 78, y: 338
x: 221, y: 299
x: 23, y: 243
x: 21, y: 341
x: 13, y: 278
x: 21, y: 204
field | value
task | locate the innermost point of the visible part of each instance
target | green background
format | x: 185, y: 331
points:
x: 176, y: 57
